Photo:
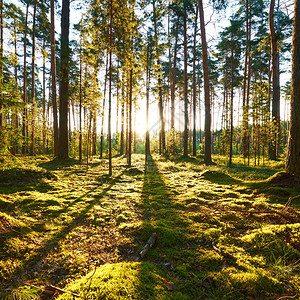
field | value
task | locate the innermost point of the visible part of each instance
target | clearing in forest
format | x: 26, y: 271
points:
x: 222, y: 232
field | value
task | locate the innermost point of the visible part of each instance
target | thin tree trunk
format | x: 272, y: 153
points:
x: 207, y: 153
x: 53, y: 76
x: 231, y: 106
x: 32, y: 150
x: 122, y: 116
x: 94, y: 134
x: 248, y: 92
x: 109, y: 93
x: 127, y: 114
x: 25, y: 97
x: 80, y: 100
x: 44, y: 99
x: 130, y: 120
x: 245, y: 137
x: 15, y: 116
x: 1, y: 65
x: 160, y: 106
x: 134, y: 129
x: 185, y: 86
x: 148, y: 72
x: 293, y: 149
x: 118, y: 104
x: 194, y: 86
x: 276, y: 85
x: 103, y: 108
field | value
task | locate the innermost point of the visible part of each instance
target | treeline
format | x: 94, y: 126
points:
x: 58, y: 93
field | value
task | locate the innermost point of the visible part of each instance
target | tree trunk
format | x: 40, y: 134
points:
x: 276, y: 86
x: 103, y: 108
x: 185, y: 86
x: 130, y: 120
x: 109, y: 92
x: 25, y: 96
x: 80, y: 100
x: 53, y: 77
x: 148, y: 73
x: 32, y: 149
x: 245, y: 137
x: 44, y: 99
x: 63, y: 147
x: 293, y: 150
x: 231, y: 106
x: 15, y: 116
x: 94, y: 133
x: 162, y: 141
x: 194, y: 86
x: 1, y: 65
x: 118, y: 105
x: 122, y: 117
x: 173, y: 83
x: 207, y: 125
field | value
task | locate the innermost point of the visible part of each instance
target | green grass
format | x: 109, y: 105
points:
x: 74, y: 227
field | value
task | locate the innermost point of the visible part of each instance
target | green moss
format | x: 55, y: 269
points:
x: 89, y: 223
x: 133, y: 280
x: 218, y: 177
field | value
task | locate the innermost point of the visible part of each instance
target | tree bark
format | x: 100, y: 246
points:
x: 109, y: 92
x: 148, y: 73
x: 63, y: 151
x: 195, y: 86
x: 1, y: 65
x: 53, y: 77
x: 80, y: 100
x: 33, y: 100
x: 103, y: 107
x: 293, y: 150
x: 276, y: 86
x: 207, y: 124
x: 25, y: 97
x: 162, y: 140
x: 245, y: 134
x: 231, y: 106
x: 122, y: 116
x: 44, y: 98
x: 185, y: 86
x: 130, y: 120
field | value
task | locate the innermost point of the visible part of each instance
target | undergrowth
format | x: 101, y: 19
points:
x: 223, y: 232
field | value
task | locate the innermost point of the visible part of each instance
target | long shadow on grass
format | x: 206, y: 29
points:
x: 162, y: 215
x: 31, y: 260
x: 57, y: 164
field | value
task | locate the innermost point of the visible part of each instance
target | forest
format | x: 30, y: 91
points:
x: 149, y: 149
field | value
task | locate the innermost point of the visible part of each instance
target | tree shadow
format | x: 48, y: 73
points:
x: 57, y: 164
x: 30, y: 263
x: 162, y: 215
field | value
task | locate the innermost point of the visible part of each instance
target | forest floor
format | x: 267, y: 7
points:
x: 222, y: 232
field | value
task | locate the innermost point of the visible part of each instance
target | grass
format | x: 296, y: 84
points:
x: 74, y: 227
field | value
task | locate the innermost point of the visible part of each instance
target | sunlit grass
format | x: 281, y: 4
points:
x: 75, y: 227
